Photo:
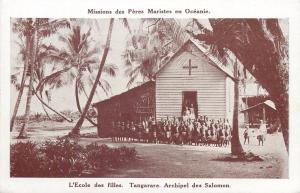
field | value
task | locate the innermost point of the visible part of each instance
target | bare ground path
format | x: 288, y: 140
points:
x: 174, y: 161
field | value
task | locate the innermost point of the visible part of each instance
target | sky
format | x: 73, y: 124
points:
x: 64, y: 98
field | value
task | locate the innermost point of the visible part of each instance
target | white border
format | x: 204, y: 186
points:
x: 218, y: 8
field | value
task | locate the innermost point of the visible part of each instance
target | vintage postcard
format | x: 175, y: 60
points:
x: 195, y: 96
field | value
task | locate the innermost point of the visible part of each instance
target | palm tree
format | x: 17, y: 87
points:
x: 151, y: 48
x: 80, y: 61
x: 39, y: 74
x: 33, y: 31
x: 32, y: 57
x: 27, y: 35
x: 236, y: 147
x: 259, y: 44
x: 76, y: 130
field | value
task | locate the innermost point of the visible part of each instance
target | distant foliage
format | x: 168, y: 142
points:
x: 65, y: 158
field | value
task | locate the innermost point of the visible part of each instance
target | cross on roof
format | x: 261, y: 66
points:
x: 190, y: 67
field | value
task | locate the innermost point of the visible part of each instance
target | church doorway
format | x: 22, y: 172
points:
x: 189, y: 103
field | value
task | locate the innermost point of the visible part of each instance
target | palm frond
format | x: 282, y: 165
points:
x: 131, y: 80
x: 105, y: 86
x: 126, y: 24
x: 110, y: 69
x: 50, y: 27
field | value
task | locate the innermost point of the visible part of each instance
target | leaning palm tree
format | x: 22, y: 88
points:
x: 76, y: 130
x: 21, y: 87
x: 79, y: 58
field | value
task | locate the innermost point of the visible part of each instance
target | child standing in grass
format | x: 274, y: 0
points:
x: 246, y: 135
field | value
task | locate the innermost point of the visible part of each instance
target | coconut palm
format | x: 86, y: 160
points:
x: 76, y: 130
x: 33, y: 30
x: 79, y: 58
x: 39, y: 74
x: 153, y: 45
x: 20, y: 87
x: 259, y: 44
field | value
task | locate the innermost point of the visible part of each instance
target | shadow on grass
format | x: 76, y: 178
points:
x: 243, y: 157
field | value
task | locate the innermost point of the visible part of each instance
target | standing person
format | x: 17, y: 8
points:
x: 127, y: 131
x: 196, y: 132
x: 169, y: 127
x: 186, y: 114
x: 246, y: 135
x: 153, y: 131
x: 263, y: 129
x: 113, y: 131
x: 139, y: 131
x: 192, y: 112
x: 122, y: 132
x: 146, y: 131
x: 221, y: 135
x: 132, y: 134
x: 184, y: 133
x: 260, y: 138
x: 190, y: 128
x: 118, y: 131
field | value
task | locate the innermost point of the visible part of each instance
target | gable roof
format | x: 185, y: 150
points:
x: 214, y: 61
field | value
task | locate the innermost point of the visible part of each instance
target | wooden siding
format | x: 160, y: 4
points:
x: 134, y: 105
x: 206, y: 79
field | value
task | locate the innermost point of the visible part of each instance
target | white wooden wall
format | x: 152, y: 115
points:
x: 207, y: 80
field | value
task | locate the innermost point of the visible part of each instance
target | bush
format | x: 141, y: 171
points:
x: 25, y: 159
x: 64, y: 158
x: 100, y: 158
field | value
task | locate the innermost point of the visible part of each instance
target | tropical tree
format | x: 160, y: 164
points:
x: 260, y: 45
x: 32, y: 30
x: 28, y: 39
x: 79, y: 59
x: 32, y: 56
x: 151, y: 46
x: 76, y: 130
x: 39, y: 73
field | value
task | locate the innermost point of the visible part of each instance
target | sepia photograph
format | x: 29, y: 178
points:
x: 149, y: 97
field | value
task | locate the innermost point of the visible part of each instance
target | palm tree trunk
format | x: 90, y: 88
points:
x: 263, y: 51
x: 23, y: 131
x: 236, y: 147
x: 76, y: 130
x: 78, y: 104
x: 44, y: 109
x: 52, y: 109
x: 24, y: 75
